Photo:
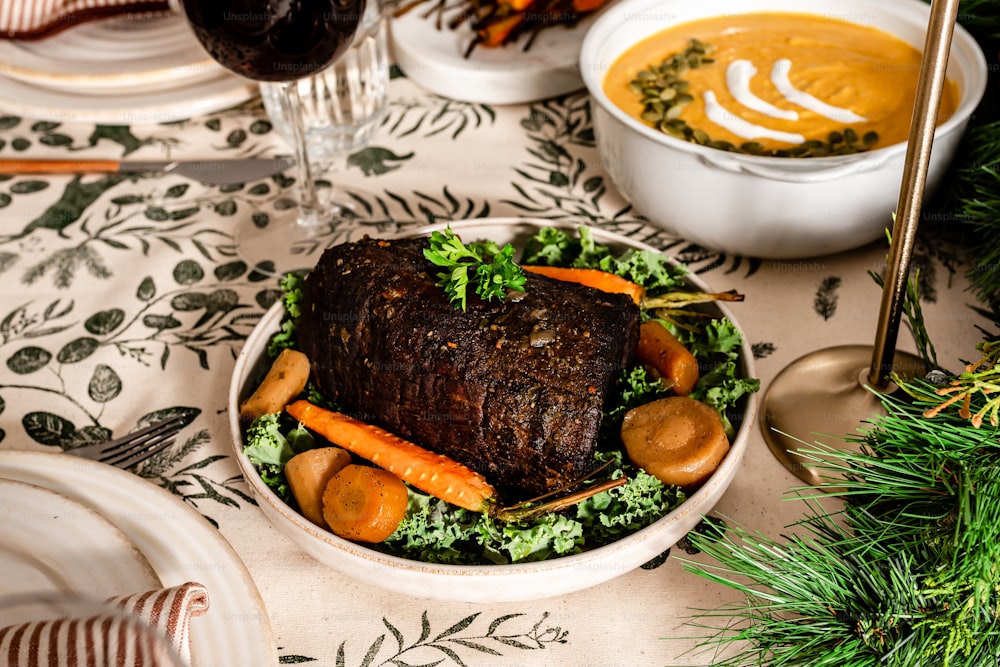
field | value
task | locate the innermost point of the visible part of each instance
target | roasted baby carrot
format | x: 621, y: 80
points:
x: 602, y: 280
x: 438, y: 475
x: 497, y: 32
x: 672, y: 361
x: 364, y: 504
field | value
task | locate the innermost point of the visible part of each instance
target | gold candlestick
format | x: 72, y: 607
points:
x: 832, y: 391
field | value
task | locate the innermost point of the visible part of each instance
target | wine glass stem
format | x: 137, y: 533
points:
x: 309, y: 205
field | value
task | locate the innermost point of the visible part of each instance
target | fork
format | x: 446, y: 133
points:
x: 136, y: 447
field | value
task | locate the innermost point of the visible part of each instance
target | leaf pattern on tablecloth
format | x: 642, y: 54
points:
x: 124, y: 214
x: 826, y: 298
x: 429, y: 117
x: 458, y: 644
x: 77, y: 363
x: 762, y: 350
x: 557, y: 183
x: 376, y: 160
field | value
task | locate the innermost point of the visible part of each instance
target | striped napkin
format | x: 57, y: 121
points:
x: 106, y: 641
x: 35, y: 19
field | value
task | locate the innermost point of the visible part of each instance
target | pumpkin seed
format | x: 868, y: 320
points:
x: 673, y: 112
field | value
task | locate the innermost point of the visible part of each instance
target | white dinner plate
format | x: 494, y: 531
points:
x: 133, y: 54
x: 179, y: 544
x: 52, y: 544
x: 435, y: 59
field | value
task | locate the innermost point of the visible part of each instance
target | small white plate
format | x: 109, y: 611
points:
x: 51, y: 544
x: 161, y: 106
x: 434, y: 58
x: 125, y: 54
x: 119, y: 71
x: 179, y: 544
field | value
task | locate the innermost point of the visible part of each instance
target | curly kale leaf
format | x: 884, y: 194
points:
x: 556, y: 247
x: 619, y: 511
x: 718, y: 348
x: 436, y: 532
x: 269, y: 443
x: 292, y: 284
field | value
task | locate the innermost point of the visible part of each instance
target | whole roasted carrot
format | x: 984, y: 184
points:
x: 438, y: 475
x: 602, y: 280
x: 496, y: 33
x: 673, y: 362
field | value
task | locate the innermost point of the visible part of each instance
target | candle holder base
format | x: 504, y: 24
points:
x: 824, y: 393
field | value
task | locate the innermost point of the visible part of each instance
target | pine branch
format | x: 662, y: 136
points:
x: 905, y: 574
x: 968, y: 201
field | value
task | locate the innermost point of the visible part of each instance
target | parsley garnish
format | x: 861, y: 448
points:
x: 494, y: 270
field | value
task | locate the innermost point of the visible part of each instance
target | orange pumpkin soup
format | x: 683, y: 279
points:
x: 780, y: 79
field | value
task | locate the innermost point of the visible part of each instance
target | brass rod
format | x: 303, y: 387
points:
x: 930, y: 84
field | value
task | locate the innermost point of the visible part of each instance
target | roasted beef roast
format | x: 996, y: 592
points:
x: 514, y: 389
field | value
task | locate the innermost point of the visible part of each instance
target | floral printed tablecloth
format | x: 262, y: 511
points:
x: 121, y: 297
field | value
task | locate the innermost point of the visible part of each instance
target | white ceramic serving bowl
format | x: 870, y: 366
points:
x: 776, y: 208
x: 481, y: 583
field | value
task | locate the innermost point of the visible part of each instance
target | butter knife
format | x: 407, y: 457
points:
x: 227, y: 171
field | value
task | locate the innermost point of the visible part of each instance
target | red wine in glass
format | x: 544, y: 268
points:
x: 280, y: 41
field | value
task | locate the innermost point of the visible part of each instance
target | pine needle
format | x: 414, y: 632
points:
x: 905, y: 574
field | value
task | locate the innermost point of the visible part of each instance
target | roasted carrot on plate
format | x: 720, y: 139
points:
x: 602, y: 280
x: 363, y: 503
x: 674, y: 363
x: 438, y: 475
x: 308, y: 473
x: 677, y: 439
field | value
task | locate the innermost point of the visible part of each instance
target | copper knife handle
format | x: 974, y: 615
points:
x: 58, y: 166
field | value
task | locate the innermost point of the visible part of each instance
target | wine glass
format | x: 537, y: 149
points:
x: 280, y: 41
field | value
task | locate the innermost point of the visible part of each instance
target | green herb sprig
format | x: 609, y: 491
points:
x: 490, y: 268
